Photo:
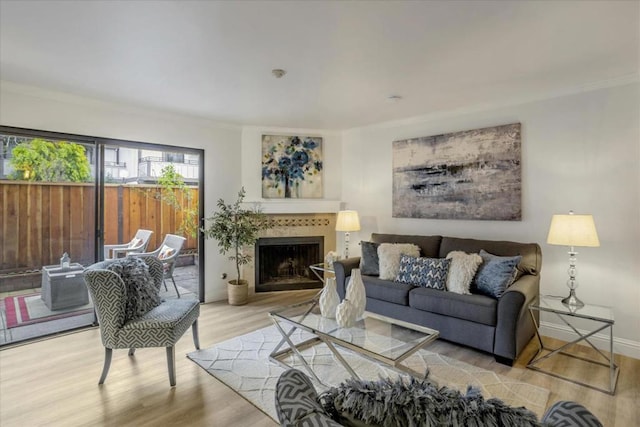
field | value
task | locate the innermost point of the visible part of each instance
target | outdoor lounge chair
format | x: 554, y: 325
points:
x: 162, y: 326
x: 139, y: 243
x: 167, y: 252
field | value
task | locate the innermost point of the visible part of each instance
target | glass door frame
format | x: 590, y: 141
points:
x: 201, y: 189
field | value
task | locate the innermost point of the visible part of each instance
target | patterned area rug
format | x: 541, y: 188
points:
x: 243, y: 364
x: 29, y: 309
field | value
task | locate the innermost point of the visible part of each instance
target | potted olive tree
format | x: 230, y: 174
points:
x: 235, y: 227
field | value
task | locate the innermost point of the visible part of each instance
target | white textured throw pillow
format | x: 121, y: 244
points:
x: 461, y: 271
x: 389, y: 257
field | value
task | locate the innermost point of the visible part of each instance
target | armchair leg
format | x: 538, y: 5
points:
x: 175, y: 286
x: 196, y: 339
x: 171, y: 363
x: 107, y: 363
x: 165, y: 285
x: 132, y: 351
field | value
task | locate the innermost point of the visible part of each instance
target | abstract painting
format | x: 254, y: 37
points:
x: 473, y: 175
x: 291, y: 167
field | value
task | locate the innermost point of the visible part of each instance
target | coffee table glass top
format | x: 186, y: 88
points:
x: 374, y: 335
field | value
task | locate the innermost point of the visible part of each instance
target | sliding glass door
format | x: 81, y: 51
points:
x: 155, y: 188
x: 68, y: 194
x: 48, y: 209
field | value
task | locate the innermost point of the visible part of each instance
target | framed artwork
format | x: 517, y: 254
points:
x: 291, y: 167
x: 473, y: 174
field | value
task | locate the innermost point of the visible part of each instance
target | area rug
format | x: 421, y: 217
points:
x: 242, y: 363
x: 29, y: 309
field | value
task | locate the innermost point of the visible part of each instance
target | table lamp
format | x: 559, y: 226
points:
x: 347, y: 221
x: 573, y: 230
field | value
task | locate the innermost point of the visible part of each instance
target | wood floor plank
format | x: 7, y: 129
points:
x: 54, y: 382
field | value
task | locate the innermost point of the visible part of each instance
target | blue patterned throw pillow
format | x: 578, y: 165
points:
x: 425, y: 272
x: 496, y: 274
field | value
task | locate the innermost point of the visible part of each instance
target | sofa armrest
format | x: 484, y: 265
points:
x: 342, y: 270
x: 515, y: 327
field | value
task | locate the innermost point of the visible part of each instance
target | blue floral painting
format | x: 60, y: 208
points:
x: 291, y: 167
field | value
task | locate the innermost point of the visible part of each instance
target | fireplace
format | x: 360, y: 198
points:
x: 282, y: 263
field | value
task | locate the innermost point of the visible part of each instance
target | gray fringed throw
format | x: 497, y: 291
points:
x: 142, y: 294
x: 412, y: 403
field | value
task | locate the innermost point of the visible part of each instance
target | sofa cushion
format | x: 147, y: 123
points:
x: 530, y: 263
x: 495, y: 274
x: 427, y: 272
x: 397, y: 293
x: 369, y: 259
x: 389, y: 257
x: 428, y: 245
x: 463, y: 268
x: 475, y: 308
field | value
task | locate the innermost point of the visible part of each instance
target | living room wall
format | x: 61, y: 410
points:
x: 580, y: 152
x: 29, y: 107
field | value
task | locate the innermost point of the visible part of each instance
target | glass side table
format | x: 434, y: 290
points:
x: 601, y: 315
x: 320, y: 269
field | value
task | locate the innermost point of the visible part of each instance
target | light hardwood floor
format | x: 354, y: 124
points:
x: 53, y: 382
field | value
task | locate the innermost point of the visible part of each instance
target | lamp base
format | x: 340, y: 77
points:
x: 572, y: 300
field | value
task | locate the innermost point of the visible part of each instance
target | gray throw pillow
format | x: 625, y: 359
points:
x: 496, y: 274
x: 411, y: 402
x: 142, y: 294
x: 369, y: 263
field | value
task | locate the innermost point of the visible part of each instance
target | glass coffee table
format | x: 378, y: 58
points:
x: 379, y: 338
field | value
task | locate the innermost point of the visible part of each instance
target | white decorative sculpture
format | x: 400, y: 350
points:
x: 329, y: 299
x: 346, y: 314
x: 330, y: 258
x: 356, y: 292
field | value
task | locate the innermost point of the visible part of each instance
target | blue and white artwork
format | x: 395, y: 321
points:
x: 291, y: 167
x: 473, y: 174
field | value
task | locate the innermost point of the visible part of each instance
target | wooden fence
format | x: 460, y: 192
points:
x: 41, y: 221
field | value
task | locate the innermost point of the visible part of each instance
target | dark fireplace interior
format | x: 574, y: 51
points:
x: 282, y: 263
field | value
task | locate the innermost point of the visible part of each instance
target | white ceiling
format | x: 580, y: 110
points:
x: 214, y: 59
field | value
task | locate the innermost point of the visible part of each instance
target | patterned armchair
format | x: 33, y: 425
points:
x: 161, y: 327
x: 298, y: 404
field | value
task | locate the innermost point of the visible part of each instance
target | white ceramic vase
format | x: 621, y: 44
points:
x: 346, y: 314
x: 356, y: 293
x: 329, y: 299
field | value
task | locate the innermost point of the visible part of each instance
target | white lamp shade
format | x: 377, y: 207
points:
x: 573, y: 230
x: 348, y: 221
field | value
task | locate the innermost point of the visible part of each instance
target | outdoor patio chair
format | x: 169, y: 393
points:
x: 139, y: 243
x: 162, y: 326
x: 167, y: 252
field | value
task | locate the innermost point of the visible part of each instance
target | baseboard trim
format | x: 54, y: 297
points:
x: 622, y: 346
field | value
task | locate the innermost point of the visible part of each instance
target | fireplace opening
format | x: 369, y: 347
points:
x: 282, y: 263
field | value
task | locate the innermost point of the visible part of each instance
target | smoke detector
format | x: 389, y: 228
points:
x: 278, y: 73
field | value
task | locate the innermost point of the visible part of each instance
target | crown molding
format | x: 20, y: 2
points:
x: 38, y: 92
x: 504, y: 103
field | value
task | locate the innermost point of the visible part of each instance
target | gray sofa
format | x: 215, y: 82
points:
x: 499, y: 326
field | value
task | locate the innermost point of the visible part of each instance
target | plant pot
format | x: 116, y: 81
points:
x: 238, y: 294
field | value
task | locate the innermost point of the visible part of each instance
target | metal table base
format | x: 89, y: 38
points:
x: 614, y: 370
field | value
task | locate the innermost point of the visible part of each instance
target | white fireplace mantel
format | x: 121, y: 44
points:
x: 297, y: 206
